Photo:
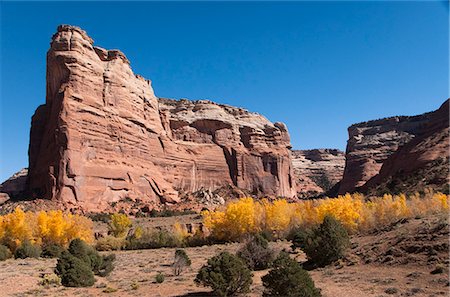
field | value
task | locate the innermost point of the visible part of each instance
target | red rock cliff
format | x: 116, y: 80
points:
x: 372, y: 144
x: 103, y: 136
x: 422, y: 162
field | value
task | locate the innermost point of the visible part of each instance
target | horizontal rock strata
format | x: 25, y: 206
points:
x: 421, y: 163
x: 317, y: 170
x: 103, y: 136
x: 372, y: 144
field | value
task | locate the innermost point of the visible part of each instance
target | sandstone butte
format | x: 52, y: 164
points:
x: 103, y: 136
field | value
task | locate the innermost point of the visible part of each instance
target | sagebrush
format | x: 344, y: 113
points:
x: 27, y: 250
x: 181, y: 261
x: 5, y: 253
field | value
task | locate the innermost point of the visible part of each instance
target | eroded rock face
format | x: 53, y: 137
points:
x: 317, y: 170
x: 371, y: 143
x: 16, y: 185
x: 254, y: 153
x: 103, y: 136
x: 421, y: 163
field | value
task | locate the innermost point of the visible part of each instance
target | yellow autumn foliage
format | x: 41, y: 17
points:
x: 51, y: 227
x: 180, y: 232
x: 240, y: 217
x: 356, y: 213
x: 278, y: 216
x: 138, y: 232
x: 119, y: 224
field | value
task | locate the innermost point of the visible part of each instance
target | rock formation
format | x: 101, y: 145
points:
x: 103, y: 136
x: 317, y: 171
x: 16, y: 185
x: 399, y: 144
x: 423, y: 162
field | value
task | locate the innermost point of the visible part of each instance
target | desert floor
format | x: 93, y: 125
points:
x: 388, y: 271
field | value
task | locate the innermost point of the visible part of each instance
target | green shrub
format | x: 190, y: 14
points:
x: 268, y: 235
x: 106, y: 265
x: 79, y: 259
x: 80, y: 249
x: 5, y: 253
x: 256, y: 253
x: 27, y: 250
x: 52, y: 251
x: 152, y: 239
x: 159, y: 278
x: 73, y: 271
x: 324, y: 244
x: 163, y: 238
x: 226, y: 274
x: 288, y: 279
x: 100, y: 265
x: 181, y: 261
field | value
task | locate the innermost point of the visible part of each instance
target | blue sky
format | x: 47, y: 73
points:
x: 317, y: 66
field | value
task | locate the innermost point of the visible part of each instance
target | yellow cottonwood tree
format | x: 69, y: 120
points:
x: 354, y: 211
x: 278, y: 215
x: 119, y: 224
x: 42, y: 228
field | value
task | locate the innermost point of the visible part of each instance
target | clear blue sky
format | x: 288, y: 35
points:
x: 318, y: 67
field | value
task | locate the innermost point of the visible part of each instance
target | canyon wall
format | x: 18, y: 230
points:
x: 103, y: 136
x: 317, y: 170
x: 421, y: 163
x: 376, y: 144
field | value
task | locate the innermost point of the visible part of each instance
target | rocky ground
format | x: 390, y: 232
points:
x: 409, y: 258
